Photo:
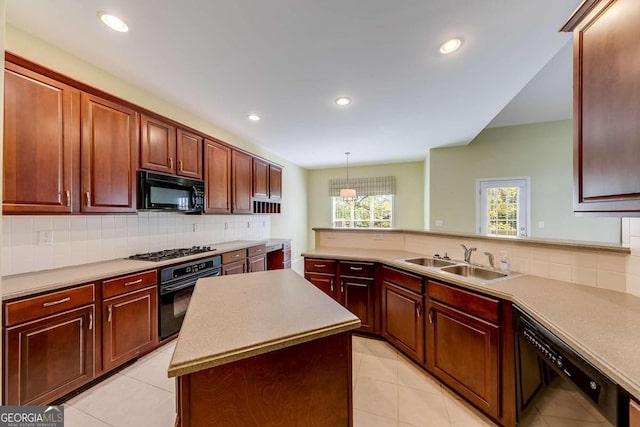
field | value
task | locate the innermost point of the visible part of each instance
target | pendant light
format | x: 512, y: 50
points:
x: 347, y: 194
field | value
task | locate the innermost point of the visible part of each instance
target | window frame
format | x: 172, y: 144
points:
x: 524, y: 183
x: 371, y: 221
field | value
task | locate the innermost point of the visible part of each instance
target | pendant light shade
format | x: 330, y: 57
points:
x: 347, y: 194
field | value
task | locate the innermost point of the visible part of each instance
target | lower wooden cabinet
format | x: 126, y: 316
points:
x: 463, y: 342
x: 401, y: 313
x: 634, y: 414
x: 49, y: 357
x: 234, y: 262
x: 325, y: 282
x: 257, y: 260
x: 358, y: 298
x: 129, y: 326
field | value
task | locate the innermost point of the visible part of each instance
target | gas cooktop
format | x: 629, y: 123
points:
x: 171, y: 253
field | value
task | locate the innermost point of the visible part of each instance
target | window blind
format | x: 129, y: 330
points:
x: 366, y: 186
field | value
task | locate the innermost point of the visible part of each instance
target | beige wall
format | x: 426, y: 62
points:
x: 408, y: 201
x: 2, y: 43
x: 291, y: 223
x: 542, y: 151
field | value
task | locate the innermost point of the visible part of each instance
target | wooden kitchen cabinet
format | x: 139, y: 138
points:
x: 217, y: 176
x: 634, y: 414
x: 357, y: 285
x: 234, y: 262
x: 189, y: 154
x: 260, y: 179
x: 129, y: 325
x: 275, y: 182
x: 41, y: 143
x: 49, y: 345
x: 606, y: 107
x: 322, y: 273
x: 241, y: 183
x: 110, y: 147
x: 157, y: 145
x: 257, y: 258
x: 463, y: 343
x: 279, y: 258
x: 402, y: 309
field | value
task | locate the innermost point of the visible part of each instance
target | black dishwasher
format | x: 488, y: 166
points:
x: 537, y: 349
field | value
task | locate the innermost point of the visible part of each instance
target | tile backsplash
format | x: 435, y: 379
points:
x: 81, y: 239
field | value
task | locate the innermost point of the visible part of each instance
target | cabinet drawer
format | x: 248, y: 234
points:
x: 229, y: 257
x: 402, y: 278
x: 286, y: 246
x: 351, y: 268
x: 132, y: 282
x: 320, y: 265
x: 51, y: 303
x: 469, y: 302
x: 257, y: 250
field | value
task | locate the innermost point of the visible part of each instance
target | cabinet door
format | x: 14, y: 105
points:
x: 241, y: 166
x: 129, y: 326
x: 217, y: 176
x: 634, y: 414
x: 50, y: 357
x: 41, y: 142
x: 402, y: 323
x: 606, y: 107
x: 357, y: 297
x: 325, y: 282
x: 260, y: 179
x: 275, y: 182
x: 109, y: 156
x: 189, y: 152
x: 157, y: 145
x: 257, y: 263
x: 239, y: 267
x: 464, y: 354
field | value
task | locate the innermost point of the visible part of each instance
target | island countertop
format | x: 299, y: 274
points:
x: 235, y: 317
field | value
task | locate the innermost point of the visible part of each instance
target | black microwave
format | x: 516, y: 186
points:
x: 158, y: 191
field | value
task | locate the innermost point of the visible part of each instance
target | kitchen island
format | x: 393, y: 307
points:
x: 263, y: 349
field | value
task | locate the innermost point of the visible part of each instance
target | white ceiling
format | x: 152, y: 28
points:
x: 287, y: 60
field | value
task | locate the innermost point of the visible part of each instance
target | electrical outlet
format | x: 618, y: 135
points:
x: 45, y: 238
x: 248, y: 224
x: 226, y: 225
x: 439, y: 223
x: 378, y: 237
x: 196, y: 227
x: 540, y: 224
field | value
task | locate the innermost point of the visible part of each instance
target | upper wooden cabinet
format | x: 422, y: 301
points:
x: 260, y: 179
x: 189, y: 153
x: 241, y: 167
x: 606, y: 106
x: 217, y: 177
x: 157, y: 145
x: 41, y: 143
x: 275, y: 182
x: 109, y: 156
x: 164, y: 148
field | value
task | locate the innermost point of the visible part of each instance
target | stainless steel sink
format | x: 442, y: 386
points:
x: 430, y: 262
x: 473, y: 272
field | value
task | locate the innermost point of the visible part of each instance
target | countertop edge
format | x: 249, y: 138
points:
x: 175, y: 370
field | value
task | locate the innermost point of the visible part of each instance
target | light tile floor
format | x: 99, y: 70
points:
x: 389, y: 390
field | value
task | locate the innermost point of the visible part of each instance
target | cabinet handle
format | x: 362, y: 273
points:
x: 109, y: 317
x: 331, y: 281
x: 170, y: 162
x: 342, y: 286
x: 431, y: 315
x: 51, y: 303
x: 90, y: 321
x: 87, y: 199
x: 356, y: 268
x: 319, y: 265
x: 357, y: 285
x: 258, y: 251
x: 67, y: 196
x: 419, y: 309
x: 135, y: 282
x: 236, y: 255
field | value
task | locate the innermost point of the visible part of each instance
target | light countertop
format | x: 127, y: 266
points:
x: 602, y: 325
x: 21, y: 285
x: 235, y: 317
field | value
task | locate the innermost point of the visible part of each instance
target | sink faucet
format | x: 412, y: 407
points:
x: 467, y: 253
x: 490, y: 255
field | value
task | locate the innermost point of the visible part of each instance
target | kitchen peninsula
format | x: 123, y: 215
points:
x: 263, y: 349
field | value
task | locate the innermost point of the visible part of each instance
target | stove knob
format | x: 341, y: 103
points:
x: 593, y: 385
x: 560, y: 363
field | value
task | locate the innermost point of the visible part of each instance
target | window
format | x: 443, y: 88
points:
x: 503, y: 206
x: 363, y: 212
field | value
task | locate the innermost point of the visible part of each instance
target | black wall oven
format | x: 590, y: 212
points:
x: 176, y: 286
x: 157, y: 191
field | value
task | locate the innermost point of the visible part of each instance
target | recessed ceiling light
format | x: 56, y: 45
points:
x: 343, y: 100
x: 450, y: 45
x: 253, y: 117
x: 113, y: 22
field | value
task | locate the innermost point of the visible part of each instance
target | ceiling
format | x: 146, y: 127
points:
x: 288, y: 60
